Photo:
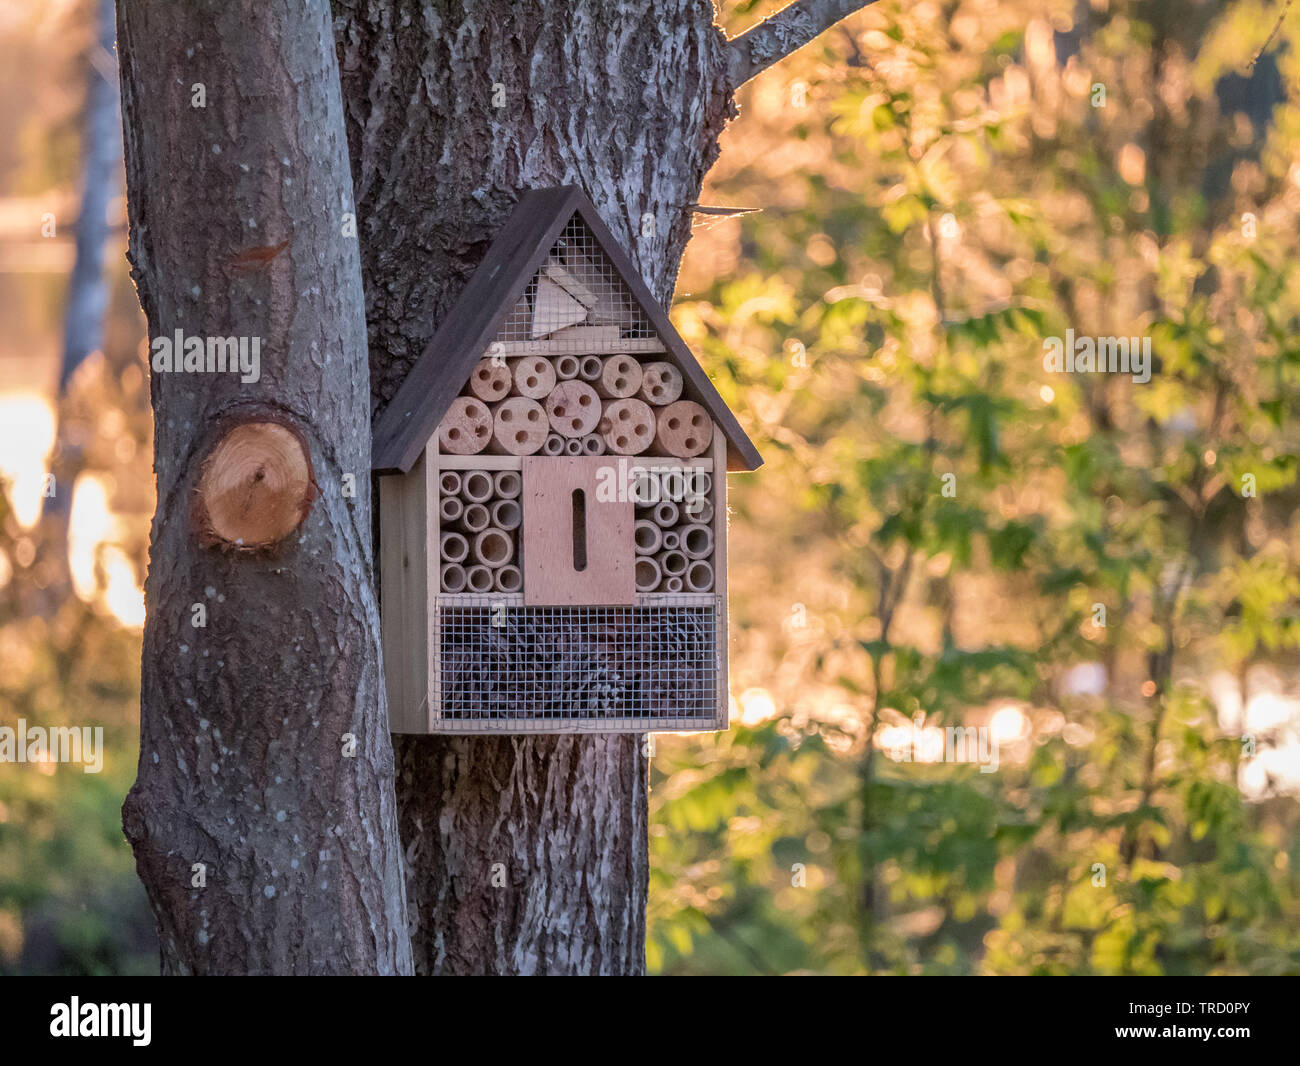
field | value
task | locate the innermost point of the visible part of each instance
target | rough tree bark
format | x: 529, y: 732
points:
x: 452, y: 108
x: 239, y: 181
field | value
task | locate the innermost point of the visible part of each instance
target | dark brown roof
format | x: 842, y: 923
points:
x: 404, y: 427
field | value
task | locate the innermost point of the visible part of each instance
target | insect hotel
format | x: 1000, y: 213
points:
x: 552, y: 487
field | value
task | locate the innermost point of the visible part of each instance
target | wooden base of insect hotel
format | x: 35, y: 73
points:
x: 553, y: 501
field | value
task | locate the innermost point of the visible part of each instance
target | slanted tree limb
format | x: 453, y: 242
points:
x: 784, y: 33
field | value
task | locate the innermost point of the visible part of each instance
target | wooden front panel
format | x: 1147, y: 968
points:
x: 577, y: 548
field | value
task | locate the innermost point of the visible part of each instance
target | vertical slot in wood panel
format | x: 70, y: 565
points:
x: 553, y: 487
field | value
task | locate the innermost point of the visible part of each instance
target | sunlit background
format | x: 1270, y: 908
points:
x: 931, y: 190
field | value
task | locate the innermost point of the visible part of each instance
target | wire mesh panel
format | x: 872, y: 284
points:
x: 577, y: 302
x: 599, y: 669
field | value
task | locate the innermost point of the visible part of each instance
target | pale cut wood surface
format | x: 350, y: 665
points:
x: 256, y: 486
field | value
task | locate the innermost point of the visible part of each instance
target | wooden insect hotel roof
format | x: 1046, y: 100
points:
x: 554, y: 269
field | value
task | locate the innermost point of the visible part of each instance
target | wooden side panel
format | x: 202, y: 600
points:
x: 432, y: 461
x: 720, y: 571
x: 552, y: 522
x: 403, y: 574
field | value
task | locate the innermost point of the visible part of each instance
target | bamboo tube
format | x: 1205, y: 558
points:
x: 451, y: 508
x: 479, y: 579
x: 699, y: 576
x: 590, y: 367
x: 453, y: 547
x: 508, y: 578
x: 627, y: 426
x: 666, y: 513
x: 661, y: 384
x: 683, y: 429
x: 490, y: 381
x: 493, y: 547
x: 519, y: 427
x: 476, y: 486
x: 450, y: 483
x: 697, y: 541
x: 573, y: 408
x: 671, y: 540
x: 593, y: 444
x: 506, y: 514
x: 453, y: 578
x: 645, y: 489
x: 534, y: 377
x: 554, y: 444
x: 466, y: 428
x: 648, y: 538
x: 475, y: 518
x: 672, y: 584
x: 648, y: 574
x: 573, y: 446
x: 698, y: 509
x: 566, y: 367
x: 507, y: 484
x: 620, y: 377
x: 672, y: 563
x: 674, y: 484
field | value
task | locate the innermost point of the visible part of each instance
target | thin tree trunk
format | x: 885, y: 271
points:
x: 101, y: 151
x: 525, y: 855
x: 247, y: 779
x: 87, y: 302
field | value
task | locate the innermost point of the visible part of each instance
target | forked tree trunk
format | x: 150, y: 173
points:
x: 525, y: 855
x: 266, y: 841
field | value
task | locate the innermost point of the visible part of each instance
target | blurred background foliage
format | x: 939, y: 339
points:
x: 1101, y: 575
x: 939, y: 188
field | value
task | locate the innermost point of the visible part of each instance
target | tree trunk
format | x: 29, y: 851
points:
x: 87, y: 299
x: 101, y: 147
x: 265, y: 836
x: 525, y: 855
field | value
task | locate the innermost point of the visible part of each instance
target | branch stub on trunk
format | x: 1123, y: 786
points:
x: 256, y: 487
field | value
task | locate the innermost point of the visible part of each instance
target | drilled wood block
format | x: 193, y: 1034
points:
x: 661, y: 384
x: 519, y: 427
x: 573, y: 408
x: 466, y: 428
x: 533, y: 376
x: 627, y: 426
x: 490, y: 380
x: 620, y: 377
x: 683, y: 429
